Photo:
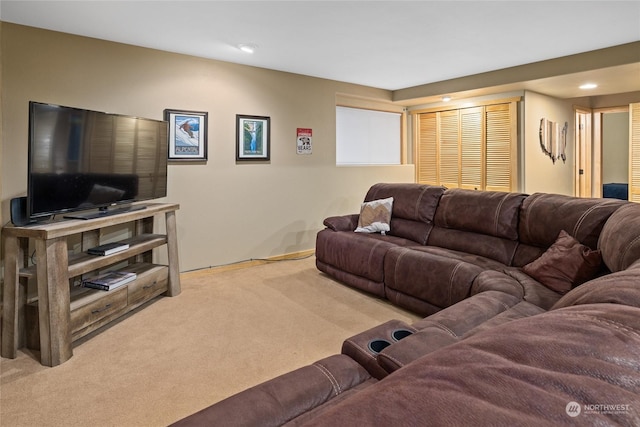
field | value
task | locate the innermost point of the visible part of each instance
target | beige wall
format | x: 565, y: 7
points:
x: 229, y: 212
x: 540, y: 174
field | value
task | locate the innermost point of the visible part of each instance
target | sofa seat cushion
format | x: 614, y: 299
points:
x: 524, y: 372
x: 439, y: 277
x: 356, y: 254
x: 514, y: 281
x: 284, y: 398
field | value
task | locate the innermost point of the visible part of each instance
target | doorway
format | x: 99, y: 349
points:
x: 611, y: 152
x: 583, y: 173
x: 602, y: 152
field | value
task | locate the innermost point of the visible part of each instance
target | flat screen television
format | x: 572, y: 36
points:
x: 83, y: 160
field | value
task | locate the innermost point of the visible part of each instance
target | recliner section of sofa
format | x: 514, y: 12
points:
x: 357, y: 259
x: 472, y: 231
x: 482, y: 223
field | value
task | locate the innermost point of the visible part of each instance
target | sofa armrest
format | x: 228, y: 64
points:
x: 342, y: 223
x: 414, y: 347
x: 514, y: 281
x: 467, y: 314
x: 445, y: 327
x: 492, y: 280
x: 616, y: 288
x: 285, y: 397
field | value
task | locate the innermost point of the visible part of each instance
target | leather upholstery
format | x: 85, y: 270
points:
x: 526, y: 373
x: 286, y: 397
x: 620, y: 246
x: 358, y: 254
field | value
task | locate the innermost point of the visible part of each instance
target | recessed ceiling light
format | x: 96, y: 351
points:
x: 446, y: 98
x: 248, y: 48
x: 589, y: 86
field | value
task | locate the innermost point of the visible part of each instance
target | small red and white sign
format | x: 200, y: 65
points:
x: 303, y: 141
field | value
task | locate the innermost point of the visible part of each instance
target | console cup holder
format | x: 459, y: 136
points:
x: 376, y: 346
x: 398, y: 334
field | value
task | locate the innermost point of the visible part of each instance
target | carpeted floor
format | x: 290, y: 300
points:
x: 227, y: 330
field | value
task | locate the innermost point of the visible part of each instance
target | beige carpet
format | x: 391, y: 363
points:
x: 226, y: 331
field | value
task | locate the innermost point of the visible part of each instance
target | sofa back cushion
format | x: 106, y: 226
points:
x: 543, y: 216
x: 414, y: 206
x: 492, y: 213
x: 484, y: 223
x: 620, y: 238
x: 416, y: 202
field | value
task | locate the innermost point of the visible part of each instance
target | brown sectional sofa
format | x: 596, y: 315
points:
x: 497, y: 347
x: 442, y: 240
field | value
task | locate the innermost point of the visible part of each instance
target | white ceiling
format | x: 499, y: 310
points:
x: 384, y: 44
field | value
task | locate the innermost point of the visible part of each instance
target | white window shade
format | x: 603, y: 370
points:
x: 367, y: 137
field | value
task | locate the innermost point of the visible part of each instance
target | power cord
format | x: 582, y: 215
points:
x: 253, y: 259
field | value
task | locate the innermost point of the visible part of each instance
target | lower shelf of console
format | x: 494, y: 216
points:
x: 91, y: 309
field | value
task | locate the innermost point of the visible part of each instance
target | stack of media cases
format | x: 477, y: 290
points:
x: 108, y: 248
x: 109, y: 281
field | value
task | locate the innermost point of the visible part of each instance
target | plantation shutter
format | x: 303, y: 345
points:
x: 449, y: 149
x: 471, y: 148
x: 634, y: 152
x: 427, y: 166
x: 500, y: 146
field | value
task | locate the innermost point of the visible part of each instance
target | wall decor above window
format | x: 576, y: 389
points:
x: 553, y: 140
x: 187, y: 135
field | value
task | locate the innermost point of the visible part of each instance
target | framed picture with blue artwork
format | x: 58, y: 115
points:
x: 187, y: 135
x: 253, y: 138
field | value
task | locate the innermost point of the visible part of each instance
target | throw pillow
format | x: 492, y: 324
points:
x: 375, y: 216
x: 566, y: 264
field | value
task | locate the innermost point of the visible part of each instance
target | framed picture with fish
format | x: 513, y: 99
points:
x: 253, y: 139
x: 187, y: 135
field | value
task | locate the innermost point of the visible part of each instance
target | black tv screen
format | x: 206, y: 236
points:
x: 81, y: 159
